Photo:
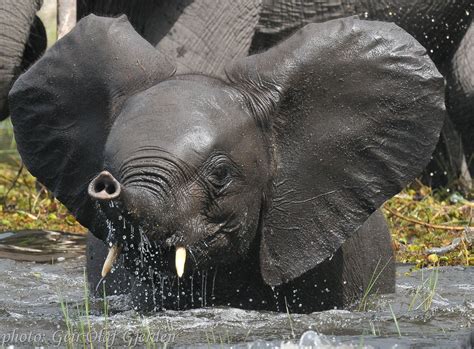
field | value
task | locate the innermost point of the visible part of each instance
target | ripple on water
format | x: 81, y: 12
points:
x: 30, y: 296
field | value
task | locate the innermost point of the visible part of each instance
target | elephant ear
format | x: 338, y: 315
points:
x: 62, y: 108
x: 353, y: 110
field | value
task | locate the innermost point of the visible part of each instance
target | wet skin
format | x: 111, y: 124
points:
x: 183, y: 181
x: 207, y: 196
x: 261, y: 188
x: 336, y: 283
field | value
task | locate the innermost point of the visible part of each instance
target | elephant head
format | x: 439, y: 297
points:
x: 294, y: 151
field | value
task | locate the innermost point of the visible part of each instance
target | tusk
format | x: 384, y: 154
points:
x: 180, y: 260
x: 114, y: 252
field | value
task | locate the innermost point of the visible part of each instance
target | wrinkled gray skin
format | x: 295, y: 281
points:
x: 270, y: 177
x: 460, y: 93
x: 22, y: 41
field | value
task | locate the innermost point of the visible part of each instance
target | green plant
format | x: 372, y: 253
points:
x: 425, y: 291
x: 373, y: 279
x: 68, y: 322
x: 395, y: 320
x: 290, y: 320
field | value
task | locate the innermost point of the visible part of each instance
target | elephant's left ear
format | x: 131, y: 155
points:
x: 353, y: 110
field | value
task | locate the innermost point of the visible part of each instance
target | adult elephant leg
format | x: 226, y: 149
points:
x: 446, y: 164
x: 22, y: 40
x: 460, y: 94
x: 368, y: 258
x: 36, y: 44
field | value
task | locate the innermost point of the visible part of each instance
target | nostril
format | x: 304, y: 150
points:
x: 104, y: 187
x: 110, y: 189
x: 99, y: 187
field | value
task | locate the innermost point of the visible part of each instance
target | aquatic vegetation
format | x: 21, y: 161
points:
x: 395, y: 321
x: 87, y: 325
x: 425, y: 291
x: 67, y: 320
x: 363, y: 303
x: 78, y: 323
x: 431, y: 227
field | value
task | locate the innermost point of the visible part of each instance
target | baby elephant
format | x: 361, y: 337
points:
x: 260, y: 191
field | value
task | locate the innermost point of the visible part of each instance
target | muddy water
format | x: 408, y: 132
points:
x: 31, y: 295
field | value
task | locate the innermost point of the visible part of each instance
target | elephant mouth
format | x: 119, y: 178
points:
x: 145, y: 252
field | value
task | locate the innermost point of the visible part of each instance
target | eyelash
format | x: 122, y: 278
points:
x: 220, y: 176
x: 221, y: 173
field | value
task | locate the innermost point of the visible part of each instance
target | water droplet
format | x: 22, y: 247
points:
x: 311, y: 339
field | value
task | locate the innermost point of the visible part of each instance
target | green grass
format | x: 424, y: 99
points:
x: 68, y: 322
x: 290, y: 320
x: 78, y: 323
x: 395, y: 320
x: 81, y: 331
x: 425, y: 292
x: 363, y: 303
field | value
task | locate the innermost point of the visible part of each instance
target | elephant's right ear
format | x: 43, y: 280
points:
x: 63, y: 107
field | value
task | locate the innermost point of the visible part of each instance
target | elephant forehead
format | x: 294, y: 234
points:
x: 184, y: 118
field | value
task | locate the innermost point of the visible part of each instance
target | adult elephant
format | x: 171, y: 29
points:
x: 439, y: 26
x: 22, y: 41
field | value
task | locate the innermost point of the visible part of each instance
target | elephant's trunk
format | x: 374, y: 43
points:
x: 104, y: 187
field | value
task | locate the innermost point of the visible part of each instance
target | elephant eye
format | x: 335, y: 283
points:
x: 220, y: 176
